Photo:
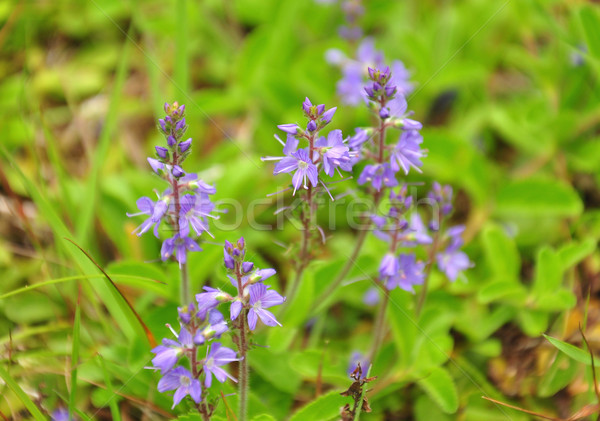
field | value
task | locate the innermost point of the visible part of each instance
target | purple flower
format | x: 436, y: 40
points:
x: 289, y: 128
x: 312, y: 126
x: 210, y: 299
x: 194, y: 211
x: 260, y: 299
x: 408, y: 153
x: 168, y: 353
x: 217, y: 357
x: 235, y: 309
x: 155, y: 210
x: 360, y: 137
x: 177, y: 171
x: 247, y: 267
x: 398, y: 107
x: 61, y: 414
x: 215, y: 328
x: 335, y: 153
x: 389, y: 266
x: 179, y: 245
x: 180, y: 380
x: 443, y: 196
x: 378, y: 175
x: 452, y: 261
x: 303, y: 166
x: 171, y: 141
x: 371, y: 297
x: 156, y: 165
x: 356, y: 358
x: 410, y: 273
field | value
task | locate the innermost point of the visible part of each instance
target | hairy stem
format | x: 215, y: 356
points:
x: 201, y: 407
x: 243, y: 350
x: 185, y: 286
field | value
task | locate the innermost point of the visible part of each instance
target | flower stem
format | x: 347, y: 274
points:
x: 379, y: 330
x: 243, y: 373
x: 201, y: 407
x: 185, y: 286
x: 424, y: 288
x: 243, y: 350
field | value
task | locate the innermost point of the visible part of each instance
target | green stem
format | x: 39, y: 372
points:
x: 379, y: 330
x: 423, y: 293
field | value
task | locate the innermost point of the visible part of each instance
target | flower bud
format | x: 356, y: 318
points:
x: 247, y: 266
x: 161, y: 152
x: 241, y: 243
x: 328, y: 115
x: 384, y: 113
x: 156, y: 165
x: 171, y: 141
x: 312, y: 126
x: 177, y: 171
x: 289, y: 128
x: 184, y: 146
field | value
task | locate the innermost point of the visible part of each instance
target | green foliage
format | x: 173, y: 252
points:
x: 507, y: 94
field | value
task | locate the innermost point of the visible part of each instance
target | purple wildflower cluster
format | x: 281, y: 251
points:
x: 186, y: 202
x: 195, y: 339
x: 403, y: 229
x: 323, y: 155
x: 355, y: 72
x: 253, y: 297
x: 389, y: 159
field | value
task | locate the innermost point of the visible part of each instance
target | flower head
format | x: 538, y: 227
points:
x: 216, y: 357
x: 182, y: 381
x: 262, y: 298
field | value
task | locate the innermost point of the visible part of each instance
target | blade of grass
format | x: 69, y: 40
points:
x: 114, y: 407
x: 75, y: 354
x: 124, y: 299
x: 78, y: 277
x: 85, y: 220
x: 14, y: 386
x: 117, y: 305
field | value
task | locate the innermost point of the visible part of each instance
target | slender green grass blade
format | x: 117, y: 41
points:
x: 75, y: 356
x: 84, y: 223
x: 181, y: 50
x: 14, y: 386
x: 112, y: 403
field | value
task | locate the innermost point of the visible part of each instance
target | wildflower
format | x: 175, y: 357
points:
x: 303, y: 166
x: 168, y: 353
x: 179, y: 245
x: 335, y: 152
x: 210, y: 299
x: 216, y: 357
x: 260, y: 299
x: 155, y: 210
x: 378, y: 175
x: 407, y: 153
x: 410, y: 273
x: 452, y: 261
x: 180, y: 380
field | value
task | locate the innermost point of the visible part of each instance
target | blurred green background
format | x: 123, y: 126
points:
x: 509, y: 99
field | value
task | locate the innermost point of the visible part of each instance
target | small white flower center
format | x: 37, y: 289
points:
x: 185, y: 380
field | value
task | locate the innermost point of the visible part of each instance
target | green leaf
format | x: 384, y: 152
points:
x: 558, y: 376
x: 502, y: 290
x: 573, y: 253
x: 501, y: 252
x: 536, y: 197
x: 533, y: 322
x: 263, y: 417
x: 14, y: 386
x: 591, y: 23
x: 440, y: 387
x: 323, y: 408
x: 560, y: 300
x: 112, y: 397
x: 548, y: 272
x: 572, y: 351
